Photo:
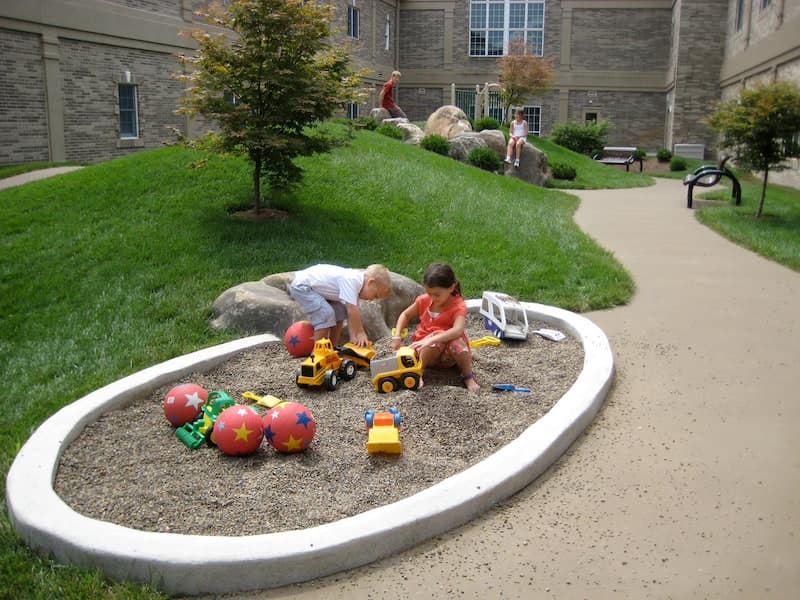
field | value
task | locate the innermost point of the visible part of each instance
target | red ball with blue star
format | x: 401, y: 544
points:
x: 289, y: 427
x: 299, y: 338
x: 238, y: 430
x: 184, y: 403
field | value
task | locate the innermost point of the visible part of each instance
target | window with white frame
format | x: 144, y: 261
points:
x: 353, y: 22
x: 387, y: 30
x: 494, y: 24
x: 533, y: 115
x: 352, y: 111
x: 128, y: 111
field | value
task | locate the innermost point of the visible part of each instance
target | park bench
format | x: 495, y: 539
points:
x: 710, y: 175
x: 619, y: 155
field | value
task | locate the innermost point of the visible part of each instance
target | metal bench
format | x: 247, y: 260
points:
x: 619, y: 155
x: 710, y: 175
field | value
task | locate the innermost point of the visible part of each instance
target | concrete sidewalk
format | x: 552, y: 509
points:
x: 688, y: 483
x: 34, y: 175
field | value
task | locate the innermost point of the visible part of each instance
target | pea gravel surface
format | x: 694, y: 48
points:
x: 129, y: 467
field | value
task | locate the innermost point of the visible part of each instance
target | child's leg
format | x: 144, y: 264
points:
x: 464, y: 362
x: 520, y: 143
x: 335, y: 332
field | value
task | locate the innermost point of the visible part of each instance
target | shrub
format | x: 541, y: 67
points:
x: 390, y: 131
x: 663, y: 155
x: 678, y: 164
x: 582, y: 138
x: 370, y: 123
x: 563, y: 171
x: 436, y: 143
x: 640, y: 153
x: 485, y: 158
x: 486, y: 122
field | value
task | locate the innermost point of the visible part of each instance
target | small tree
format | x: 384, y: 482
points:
x: 275, y: 71
x: 522, y: 74
x: 761, y: 128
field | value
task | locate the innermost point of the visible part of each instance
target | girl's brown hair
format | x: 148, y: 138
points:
x: 441, y: 275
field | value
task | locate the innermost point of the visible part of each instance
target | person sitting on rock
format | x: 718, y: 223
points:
x: 518, y: 135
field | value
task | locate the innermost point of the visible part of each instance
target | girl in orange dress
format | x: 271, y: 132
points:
x: 440, y: 339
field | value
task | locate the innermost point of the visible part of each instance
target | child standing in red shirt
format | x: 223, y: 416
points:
x: 440, y: 339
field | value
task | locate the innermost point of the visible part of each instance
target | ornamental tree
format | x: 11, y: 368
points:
x: 264, y: 72
x: 522, y: 74
x: 761, y: 128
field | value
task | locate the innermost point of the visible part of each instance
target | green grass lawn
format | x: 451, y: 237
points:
x: 114, y: 267
x: 11, y: 170
x: 776, y: 235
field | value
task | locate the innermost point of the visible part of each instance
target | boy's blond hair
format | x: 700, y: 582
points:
x: 380, y: 274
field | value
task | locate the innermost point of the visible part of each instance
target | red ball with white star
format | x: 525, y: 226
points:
x: 289, y: 427
x: 299, y: 338
x: 184, y: 403
x: 238, y: 430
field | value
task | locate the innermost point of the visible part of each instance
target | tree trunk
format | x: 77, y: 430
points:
x: 257, y: 184
x: 763, y: 192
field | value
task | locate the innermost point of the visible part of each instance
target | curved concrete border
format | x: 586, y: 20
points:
x: 192, y: 564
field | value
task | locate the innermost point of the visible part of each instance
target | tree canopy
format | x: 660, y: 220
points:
x: 263, y: 72
x: 761, y: 128
x: 523, y: 74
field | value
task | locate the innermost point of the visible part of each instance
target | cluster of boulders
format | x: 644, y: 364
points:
x: 264, y: 306
x: 452, y: 123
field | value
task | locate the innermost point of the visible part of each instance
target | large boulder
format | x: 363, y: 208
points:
x: 447, y: 121
x: 464, y: 143
x: 495, y: 140
x: 265, y: 306
x: 380, y: 114
x: 412, y: 134
x: 532, y: 166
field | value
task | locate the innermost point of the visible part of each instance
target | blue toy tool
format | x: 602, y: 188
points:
x: 509, y: 387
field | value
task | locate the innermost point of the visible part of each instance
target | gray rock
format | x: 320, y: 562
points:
x: 447, y: 121
x: 464, y: 143
x: 380, y: 114
x: 495, y: 140
x: 532, y: 166
x: 264, y: 306
x: 412, y: 134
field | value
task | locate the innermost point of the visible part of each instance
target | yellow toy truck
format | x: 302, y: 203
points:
x: 383, y: 431
x: 324, y: 366
x: 402, y: 370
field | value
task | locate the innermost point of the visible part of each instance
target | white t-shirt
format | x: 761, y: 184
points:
x: 339, y: 284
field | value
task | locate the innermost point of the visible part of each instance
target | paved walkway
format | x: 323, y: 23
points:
x: 688, y: 483
x: 34, y: 175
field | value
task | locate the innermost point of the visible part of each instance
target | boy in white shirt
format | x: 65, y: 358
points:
x: 329, y: 293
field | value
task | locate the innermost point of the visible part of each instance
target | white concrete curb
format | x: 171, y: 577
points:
x: 192, y: 564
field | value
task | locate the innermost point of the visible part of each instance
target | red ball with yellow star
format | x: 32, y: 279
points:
x: 184, y: 403
x: 289, y: 427
x: 238, y: 430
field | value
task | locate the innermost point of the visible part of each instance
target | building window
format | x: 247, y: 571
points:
x: 352, y: 111
x: 128, y: 111
x: 496, y: 23
x: 765, y: 4
x: 590, y: 117
x: 386, y: 33
x: 353, y: 22
x: 739, y: 14
x: 533, y: 115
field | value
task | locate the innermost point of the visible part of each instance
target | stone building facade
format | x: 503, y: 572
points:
x: 94, y: 80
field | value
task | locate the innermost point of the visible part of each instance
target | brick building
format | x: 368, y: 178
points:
x: 92, y: 80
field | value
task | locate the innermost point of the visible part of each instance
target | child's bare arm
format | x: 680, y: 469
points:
x: 356, y: 328
x: 403, y: 320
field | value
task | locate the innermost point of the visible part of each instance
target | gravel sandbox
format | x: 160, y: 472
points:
x: 129, y: 468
